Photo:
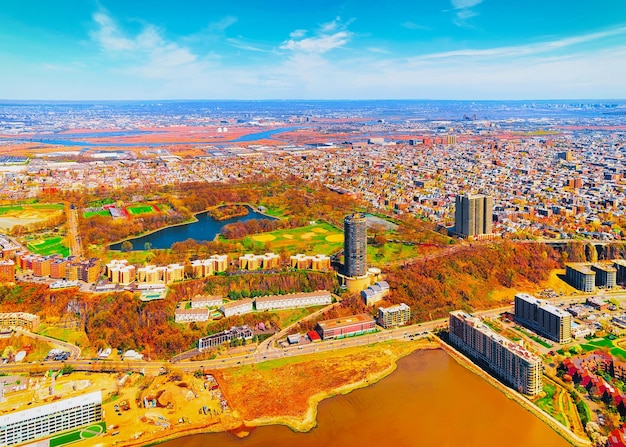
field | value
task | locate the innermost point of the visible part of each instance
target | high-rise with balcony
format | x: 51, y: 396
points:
x: 473, y: 215
x: 355, y: 245
x: 509, y: 361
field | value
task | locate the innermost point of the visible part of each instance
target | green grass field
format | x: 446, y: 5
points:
x: 75, y: 337
x: 89, y: 214
x: 47, y: 206
x: 604, y: 343
x: 50, y: 246
x: 389, y: 252
x: 10, y: 208
x: 78, y: 434
x: 547, y: 403
x: 100, y: 203
x: 136, y: 210
x: 533, y: 337
x: 275, y: 212
x: 321, y: 238
x: 290, y: 316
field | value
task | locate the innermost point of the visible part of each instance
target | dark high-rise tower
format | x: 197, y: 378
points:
x: 355, y: 245
x: 473, y: 215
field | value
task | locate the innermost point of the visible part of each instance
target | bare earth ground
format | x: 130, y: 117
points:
x: 285, y: 391
x: 26, y: 216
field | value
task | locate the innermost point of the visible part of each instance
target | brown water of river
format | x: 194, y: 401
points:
x: 430, y: 400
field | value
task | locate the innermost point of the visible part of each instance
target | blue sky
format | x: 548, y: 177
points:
x: 420, y: 49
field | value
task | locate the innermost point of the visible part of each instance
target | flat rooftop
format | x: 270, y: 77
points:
x: 581, y: 268
x: 345, y: 321
x: 545, y: 305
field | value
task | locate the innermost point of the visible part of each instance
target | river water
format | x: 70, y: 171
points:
x: 430, y: 400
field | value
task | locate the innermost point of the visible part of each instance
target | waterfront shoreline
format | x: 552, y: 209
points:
x: 511, y: 394
x: 193, y: 219
x: 302, y: 423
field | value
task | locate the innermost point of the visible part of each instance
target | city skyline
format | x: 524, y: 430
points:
x: 447, y: 49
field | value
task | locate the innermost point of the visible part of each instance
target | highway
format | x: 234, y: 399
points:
x: 261, y: 353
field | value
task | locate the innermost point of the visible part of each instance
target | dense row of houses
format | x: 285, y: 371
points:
x: 199, y: 308
x: 584, y: 371
x: 70, y: 268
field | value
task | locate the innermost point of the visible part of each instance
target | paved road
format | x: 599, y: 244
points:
x: 72, y: 231
x: 73, y: 349
x: 420, y: 330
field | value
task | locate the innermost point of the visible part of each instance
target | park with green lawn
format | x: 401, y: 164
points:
x: 321, y: 238
x: 48, y: 245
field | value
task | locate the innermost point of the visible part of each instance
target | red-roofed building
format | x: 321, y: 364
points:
x: 314, y: 336
x: 617, y: 438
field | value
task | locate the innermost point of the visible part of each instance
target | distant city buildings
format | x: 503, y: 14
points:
x: 606, y: 275
x: 119, y: 271
x: 355, y: 245
x: 509, y: 361
x: 205, y: 301
x: 473, y: 215
x: 184, y: 315
x: 581, y: 277
x: 397, y: 315
x: 543, y: 318
x: 70, y: 269
x: 152, y: 274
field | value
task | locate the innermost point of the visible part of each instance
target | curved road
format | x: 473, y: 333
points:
x: 261, y: 354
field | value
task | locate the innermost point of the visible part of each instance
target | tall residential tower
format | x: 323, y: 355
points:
x: 473, y: 215
x: 509, y: 361
x: 355, y: 245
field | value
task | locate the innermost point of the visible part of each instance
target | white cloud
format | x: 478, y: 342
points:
x: 319, y: 44
x: 522, y: 50
x: 463, y: 11
x: 297, y: 34
x: 147, y: 54
x: 146, y: 64
x: 330, y: 35
x: 331, y: 26
x: 108, y: 35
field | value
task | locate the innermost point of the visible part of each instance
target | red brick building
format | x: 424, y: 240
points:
x: 346, y: 326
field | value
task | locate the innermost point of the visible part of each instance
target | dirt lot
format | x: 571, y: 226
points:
x: 139, y: 410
